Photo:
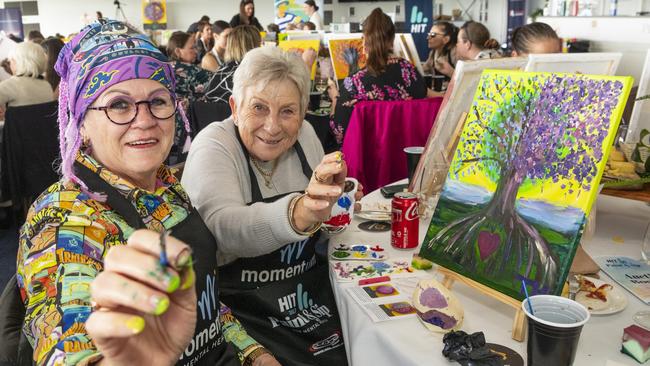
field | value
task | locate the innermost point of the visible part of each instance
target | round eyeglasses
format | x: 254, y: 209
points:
x: 123, y: 110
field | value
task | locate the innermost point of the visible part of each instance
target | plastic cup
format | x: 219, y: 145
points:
x: 554, y: 330
x: 438, y: 81
x: 314, y: 101
x: 413, y: 154
x: 428, y: 80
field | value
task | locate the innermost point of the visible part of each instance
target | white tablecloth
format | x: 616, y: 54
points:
x: 407, y: 342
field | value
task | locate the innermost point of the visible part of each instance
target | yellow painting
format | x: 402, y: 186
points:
x: 300, y: 46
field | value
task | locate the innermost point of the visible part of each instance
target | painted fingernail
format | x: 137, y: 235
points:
x: 189, y: 279
x: 135, y: 324
x: 173, y: 281
x: 336, y: 190
x: 339, y: 156
x: 184, y: 258
x: 160, y: 304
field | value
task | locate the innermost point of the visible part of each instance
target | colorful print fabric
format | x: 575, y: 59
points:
x: 106, y: 53
x: 400, y: 81
x: 62, y: 246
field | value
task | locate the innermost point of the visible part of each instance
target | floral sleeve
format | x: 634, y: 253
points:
x: 59, y: 256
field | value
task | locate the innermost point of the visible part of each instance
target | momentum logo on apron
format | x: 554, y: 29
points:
x: 288, y: 255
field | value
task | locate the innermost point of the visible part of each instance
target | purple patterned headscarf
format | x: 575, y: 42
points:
x: 103, y: 54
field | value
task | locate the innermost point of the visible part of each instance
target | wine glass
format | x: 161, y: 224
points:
x: 643, y: 317
x: 320, y: 85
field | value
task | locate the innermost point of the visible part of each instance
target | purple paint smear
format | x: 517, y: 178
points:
x: 432, y: 298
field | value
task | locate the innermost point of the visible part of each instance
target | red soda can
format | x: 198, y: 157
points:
x: 405, y: 223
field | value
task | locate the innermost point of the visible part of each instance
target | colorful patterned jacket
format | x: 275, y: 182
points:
x: 62, y: 246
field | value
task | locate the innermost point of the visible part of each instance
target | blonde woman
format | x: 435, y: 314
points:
x: 28, y: 62
x: 242, y: 39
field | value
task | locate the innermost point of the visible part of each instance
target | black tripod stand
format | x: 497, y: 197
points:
x: 119, y: 11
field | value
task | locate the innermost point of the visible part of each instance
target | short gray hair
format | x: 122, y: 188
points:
x: 30, y: 59
x: 266, y: 64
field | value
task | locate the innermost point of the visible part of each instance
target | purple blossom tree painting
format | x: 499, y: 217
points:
x: 526, y: 132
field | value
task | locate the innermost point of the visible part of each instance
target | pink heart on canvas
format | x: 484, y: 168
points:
x: 487, y: 243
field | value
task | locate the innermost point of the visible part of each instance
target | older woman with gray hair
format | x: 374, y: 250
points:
x: 27, y: 62
x: 247, y: 176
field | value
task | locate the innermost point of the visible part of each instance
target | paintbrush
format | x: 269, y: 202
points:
x: 164, y: 262
x: 530, y: 306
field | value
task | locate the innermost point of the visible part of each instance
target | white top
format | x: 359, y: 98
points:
x: 216, y: 177
x: 315, y: 18
x: 24, y: 90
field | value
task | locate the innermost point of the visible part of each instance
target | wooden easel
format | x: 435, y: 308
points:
x: 519, y: 322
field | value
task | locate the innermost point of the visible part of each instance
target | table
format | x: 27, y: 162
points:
x: 407, y: 342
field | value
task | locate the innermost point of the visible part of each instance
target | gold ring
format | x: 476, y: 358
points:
x: 319, y: 179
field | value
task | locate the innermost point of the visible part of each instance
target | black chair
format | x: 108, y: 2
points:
x: 15, y: 349
x: 30, y: 149
x: 202, y: 114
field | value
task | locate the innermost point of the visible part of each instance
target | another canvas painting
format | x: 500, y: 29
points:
x: 640, y: 118
x: 300, y: 46
x: 449, y: 121
x: 524, y: 177
x: 596, y: 63
x: 347, y: 56
x: 404, y: 46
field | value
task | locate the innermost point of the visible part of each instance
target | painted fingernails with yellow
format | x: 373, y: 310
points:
x: 135, y: 324
x: 339, y: 156
x: 190, y: 276
x: 173, y: 281
x: 184, y: 258
x: 160, y: 304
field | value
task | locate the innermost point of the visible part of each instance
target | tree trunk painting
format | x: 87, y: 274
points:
x: 523, y: 178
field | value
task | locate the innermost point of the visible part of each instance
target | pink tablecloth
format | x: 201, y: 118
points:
x: 377, y: 134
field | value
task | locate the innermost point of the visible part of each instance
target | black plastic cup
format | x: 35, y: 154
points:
x: 413, y: 154
x: 314, y: 101
x: 554, y: 330
x: 428, y: 80
x: 438, y: 81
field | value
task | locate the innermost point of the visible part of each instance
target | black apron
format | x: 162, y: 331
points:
x: 284, y: 299
x: 208, y: 346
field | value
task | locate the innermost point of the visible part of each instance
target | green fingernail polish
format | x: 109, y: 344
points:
x: 189, y: 279
x: 161, y: 304
x: 184, y: 259
x: 135, y: 324
x: 174, y: 282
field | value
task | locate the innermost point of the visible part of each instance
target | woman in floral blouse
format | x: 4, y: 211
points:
x: 384, y: 77
x: 191, y: 83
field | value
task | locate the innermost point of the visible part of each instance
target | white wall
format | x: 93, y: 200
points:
x: 629, y: 35
x: 65, y: 16
x: 496, y: 23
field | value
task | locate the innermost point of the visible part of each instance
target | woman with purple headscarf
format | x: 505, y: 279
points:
x: 105, y: 265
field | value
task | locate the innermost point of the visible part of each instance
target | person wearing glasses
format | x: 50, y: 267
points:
x: 105, y: 265
x: 442, y: 43
x: 191, y: 82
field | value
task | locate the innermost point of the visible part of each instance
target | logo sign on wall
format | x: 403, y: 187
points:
x: 154, y: 14
x: 11, y: 22
x: 418, y: 23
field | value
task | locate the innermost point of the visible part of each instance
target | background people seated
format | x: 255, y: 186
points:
x: 474, y: 42
x: 535, y: 38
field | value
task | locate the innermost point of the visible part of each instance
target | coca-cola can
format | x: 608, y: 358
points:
x: 405, y: 223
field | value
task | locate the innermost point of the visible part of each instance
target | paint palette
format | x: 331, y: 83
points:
x: 358, y: 252
x: 353, y: 270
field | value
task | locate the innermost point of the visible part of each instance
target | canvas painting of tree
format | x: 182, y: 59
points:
x: 524, y: 177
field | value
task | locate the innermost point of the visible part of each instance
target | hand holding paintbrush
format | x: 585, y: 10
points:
x: 145, y: 300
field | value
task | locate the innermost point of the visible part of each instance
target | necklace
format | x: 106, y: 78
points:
x: 266, y: 175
